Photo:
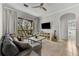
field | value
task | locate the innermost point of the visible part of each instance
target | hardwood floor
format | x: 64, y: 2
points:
x: 60, y: 48
x: 54, y: 48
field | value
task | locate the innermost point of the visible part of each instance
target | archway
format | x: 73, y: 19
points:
x: 68, y: 31
x: 64, y: 24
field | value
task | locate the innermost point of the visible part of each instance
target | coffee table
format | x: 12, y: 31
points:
x: 36, y: 44
x: 38, y: 39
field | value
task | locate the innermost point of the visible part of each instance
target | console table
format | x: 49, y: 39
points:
x: 46, y: 35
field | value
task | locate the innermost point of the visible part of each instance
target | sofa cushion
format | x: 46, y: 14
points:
x: 9, y: 48
x: 25, y: 52
x: 21, y: 45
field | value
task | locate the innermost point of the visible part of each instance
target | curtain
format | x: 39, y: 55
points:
x: 9, y: 20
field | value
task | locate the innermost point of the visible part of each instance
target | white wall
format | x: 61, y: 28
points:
x: 55, y: 20
x: 0, y: 20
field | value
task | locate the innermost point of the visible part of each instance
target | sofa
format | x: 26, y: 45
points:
x: 13, y: 50
x: 8, y: 48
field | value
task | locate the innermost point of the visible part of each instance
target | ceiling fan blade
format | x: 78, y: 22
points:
x: 44, y: 8
x: 26, y: 5
x: 35, y: 6
x: 41, y: 4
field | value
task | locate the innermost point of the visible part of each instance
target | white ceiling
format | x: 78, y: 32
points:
x: 51, y: 7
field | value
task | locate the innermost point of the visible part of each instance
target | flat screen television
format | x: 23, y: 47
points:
x: 45, y: 25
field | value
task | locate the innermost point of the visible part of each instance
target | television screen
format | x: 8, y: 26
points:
x: 45, y: 25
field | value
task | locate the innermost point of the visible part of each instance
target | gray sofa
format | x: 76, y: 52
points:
x: 10, y: 49
x: 34, y: 47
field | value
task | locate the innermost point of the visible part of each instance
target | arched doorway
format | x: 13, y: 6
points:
x: 68, y: 31
x: 66, y: 23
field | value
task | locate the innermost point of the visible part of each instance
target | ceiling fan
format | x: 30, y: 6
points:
x: 26, y: 5
x: 40, y: 6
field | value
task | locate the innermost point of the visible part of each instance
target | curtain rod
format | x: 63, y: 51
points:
x: 24, y: 19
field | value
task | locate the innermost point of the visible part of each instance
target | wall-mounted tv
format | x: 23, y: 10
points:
x: 45, y: 25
